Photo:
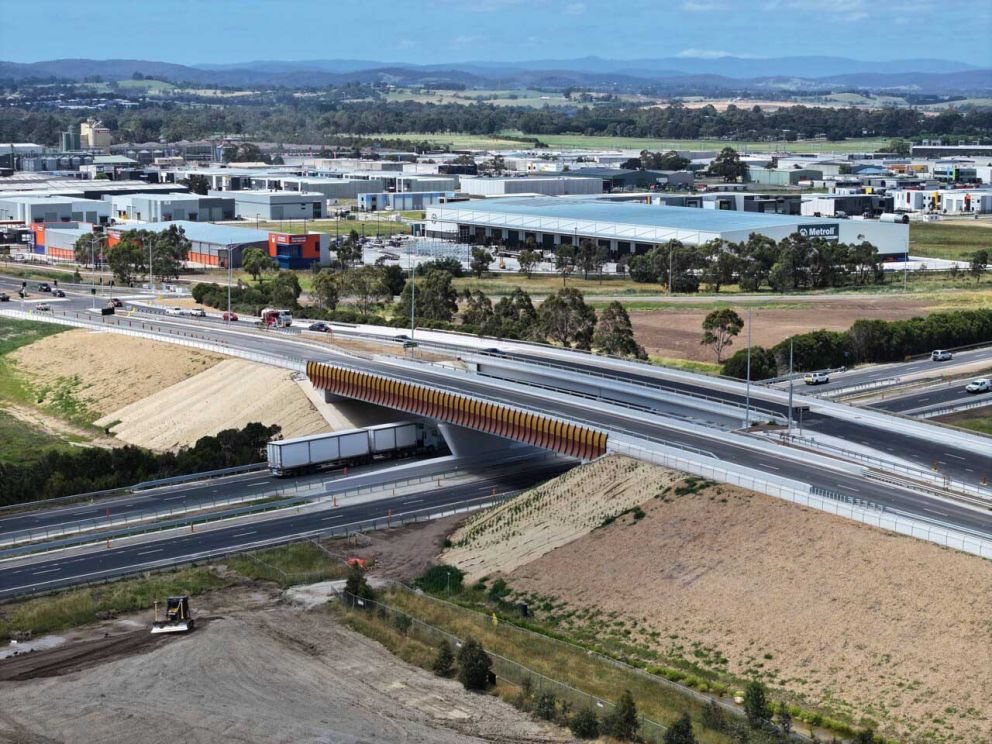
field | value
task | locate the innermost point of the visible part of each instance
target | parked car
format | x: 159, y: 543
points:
x: 43, y: 307
x: 198, y: 312
x: 173, y: 311
x: 114, y: 302
x: 979, y: 385
x: 230, y: 316
x: 941, y: 356
x: 816, y: 378
x: 320, y: 326
x: 58, y: 292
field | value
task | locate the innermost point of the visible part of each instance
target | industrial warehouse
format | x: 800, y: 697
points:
x: 631, y: 228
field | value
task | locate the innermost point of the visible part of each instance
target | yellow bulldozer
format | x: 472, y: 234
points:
x: 177, y: 617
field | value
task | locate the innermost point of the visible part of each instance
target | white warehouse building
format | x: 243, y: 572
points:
x: 627, y: 228
x: 543, y: 185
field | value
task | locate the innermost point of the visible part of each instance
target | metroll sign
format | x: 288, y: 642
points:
x: 823, y: 232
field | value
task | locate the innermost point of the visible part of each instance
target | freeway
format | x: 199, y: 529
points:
x: 921, y: 368
x: 737, y: 449
x: 39, y: 573
x: 950, y: 394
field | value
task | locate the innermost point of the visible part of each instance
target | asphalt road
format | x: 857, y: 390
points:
x: 877, y: 372
x: 960, y: 464
x: 953, y: 394
x: 62, y: 571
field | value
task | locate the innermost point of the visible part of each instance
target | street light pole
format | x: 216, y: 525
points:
x: 747, y: 399
x: 791, y: 344
x: 413, y: 292
x: 230, y: 279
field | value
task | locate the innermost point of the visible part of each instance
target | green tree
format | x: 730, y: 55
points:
x: 393, y: 277
x: 712, y: 716
x: 979, y: 263
x: 680, y: 732
x: 756, y: 707
x: 515, y: 316
x: 366, y: 286
x: 784, y: 718
x: 719, y: 329
x: 284, y: 290
x: 564, y: 317
x: 357, y: 591
x: 169, y: 248
x: 614, y: 334
x: 257, y: 262
x: 474, y: 665
x: 898, y: 147
x: 88, y: 249
x: 867, y: 736
x: 721, y: 264
x: 127, y: 258
x: 197, y: 183
x: 480, y: 262
x: 623, y: 722
x: 443, y: 660
x: 590, y: 258
x: 528, y: 260
x: 584, y: 724
x: 565, y: 261
x: 436, y: 298
x: 728, y: 165
x: 349, y: 250
x: 478, y: 312
x: 325, y: 289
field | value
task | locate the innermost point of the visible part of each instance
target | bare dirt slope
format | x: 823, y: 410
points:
x: 841, y: 615
x: 113, y: 370
x: 229, y: 395
x: 553, y: 514
x: 272, y: 675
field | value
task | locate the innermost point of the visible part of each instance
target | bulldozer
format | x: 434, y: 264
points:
x: 177, y: 616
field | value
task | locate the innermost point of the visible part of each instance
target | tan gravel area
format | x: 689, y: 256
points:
x: 552, y: 515
x: 113, y: 370
x: 276, y: 674
x: 229, y: 395
x: 836, y: 614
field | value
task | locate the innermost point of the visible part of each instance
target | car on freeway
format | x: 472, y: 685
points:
x: 173, y: 311
x: 4, y: 297
x: 978, y: 385
x: 43, y: 308
x: 230, y: 316
x: 58, y: 292
x: 816, y: 378
x: 198, y: 312
x: 939, y: 355
x: 319, y: 326
x: 114, y: 302
x: 44, y: 287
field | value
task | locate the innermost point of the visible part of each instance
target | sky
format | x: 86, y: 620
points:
x: 440, y: 31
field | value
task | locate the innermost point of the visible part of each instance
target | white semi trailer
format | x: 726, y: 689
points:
x: 351, y: 447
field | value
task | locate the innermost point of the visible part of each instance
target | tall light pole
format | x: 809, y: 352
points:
x: 413, y: 291
x: 747, y: 399
x: 230, y: 279
x: 791, y: 344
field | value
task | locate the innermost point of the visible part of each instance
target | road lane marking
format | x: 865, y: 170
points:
x: 412, y: 501
x: 244, y: 534
x: 956, y: 457
x: 149, y: 552
x: 47, y: 570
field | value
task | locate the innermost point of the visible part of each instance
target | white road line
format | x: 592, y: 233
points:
x: 412, y: 501
x: 243, y: 534
x: 47, y: 570
x: 149, y: 552
x: 956, y: 457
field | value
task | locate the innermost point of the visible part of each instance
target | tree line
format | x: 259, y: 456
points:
x: 64, y: 473
x: 866, y: 341
x: 313, y: 122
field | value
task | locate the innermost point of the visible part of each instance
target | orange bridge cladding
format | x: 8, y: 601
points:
x: 568, y: 439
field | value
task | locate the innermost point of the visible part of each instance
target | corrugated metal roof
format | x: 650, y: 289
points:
x: 204, y: 232
x: 627, y: 213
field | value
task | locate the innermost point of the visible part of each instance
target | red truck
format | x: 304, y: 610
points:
x: 277, y: 318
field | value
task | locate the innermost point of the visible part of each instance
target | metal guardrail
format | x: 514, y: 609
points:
x: 946, y: 410
x: 205, y: 475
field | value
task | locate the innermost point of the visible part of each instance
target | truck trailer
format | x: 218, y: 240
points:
x: 351, y: 447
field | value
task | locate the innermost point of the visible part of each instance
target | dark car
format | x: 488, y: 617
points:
x: 58, y: 292
x: 44, y: 287
x: 4, y: 297
x: 114, y: 302
x: 320, y: 326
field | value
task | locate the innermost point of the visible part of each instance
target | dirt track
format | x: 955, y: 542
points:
x: 275, y: 674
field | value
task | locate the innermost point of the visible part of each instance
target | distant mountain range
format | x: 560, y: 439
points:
x: 678, y: 75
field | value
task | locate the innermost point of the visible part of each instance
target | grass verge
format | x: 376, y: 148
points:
x: 951, y: 241
x: 301, y: 563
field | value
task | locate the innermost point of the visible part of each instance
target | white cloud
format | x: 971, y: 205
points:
x: 703, y: 6
x: 711, y: 54
x: 845, y: 10
x: 575, y: 8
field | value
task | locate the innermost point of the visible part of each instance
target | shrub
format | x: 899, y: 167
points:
x: 584, y: 724
x: 546, y: 706
x: 680, y: 732
x: 623, y: 722
x: 763, y: 364
x: 437, y: 579
x: 712, y: 716
x: 756, y: 706
x: 474, y: 666
x: 498, y: 590
x: 402, y: 622
x: 444, y: 660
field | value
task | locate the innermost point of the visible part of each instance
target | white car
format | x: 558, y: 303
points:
x: 941, y: 356
x: 816, y: 378
x: 979, y: 385
x: 198, y: 312
x: 173, y: 311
